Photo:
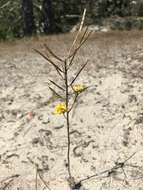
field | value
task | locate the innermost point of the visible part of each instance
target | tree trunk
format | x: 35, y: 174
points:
x: 48, y: 17
x: 28, y: 17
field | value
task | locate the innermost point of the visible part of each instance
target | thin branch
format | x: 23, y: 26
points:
x: 72, y: 56
x: 45, y: 183
x: 130, y: 157
x: 117, y: 166
x: 82, y: 20
x: 78, y: 73
x: 76, y: 95
x: 95, y: 175
x: 13, y: 176
x: 11, y: 179
x: 84, y: 34
x: 7, y: 184
x: 125, y: 175
x: 53, y: 54
x: 78, y: 33
x: 81, y: 43
x: 58, y: 95
x: 61, y: 88
x: 85, y: 38
x: 49, y: 60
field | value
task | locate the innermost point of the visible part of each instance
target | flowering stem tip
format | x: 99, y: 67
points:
x: 60, y: 108
x: 79, y: 88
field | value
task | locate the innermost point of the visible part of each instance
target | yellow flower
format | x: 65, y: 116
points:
x: 79, y: 88
x: 60, y: 108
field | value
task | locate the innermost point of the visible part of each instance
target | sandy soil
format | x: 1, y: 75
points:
x: 106, y: 124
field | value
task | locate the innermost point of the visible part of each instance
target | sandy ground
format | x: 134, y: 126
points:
x: 106, y: 124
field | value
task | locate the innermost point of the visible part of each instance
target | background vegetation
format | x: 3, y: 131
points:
x: 26, y: 17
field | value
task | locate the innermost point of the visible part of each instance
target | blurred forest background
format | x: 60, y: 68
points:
x: 20, y: 18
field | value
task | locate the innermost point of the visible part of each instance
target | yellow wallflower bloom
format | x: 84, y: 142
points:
x: 60, y: 108
x: 79, y: 88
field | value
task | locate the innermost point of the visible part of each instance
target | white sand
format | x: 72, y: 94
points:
x: 106, y: 125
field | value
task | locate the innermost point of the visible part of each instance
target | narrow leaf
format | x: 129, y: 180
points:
x: 49, y: 60
x: 84, y: 34
x: 83, y: 40
x: 78, y: 33
x: 53, y: 54
x: 57, y: 85
x: 78, y: 73
x: 72, y: 56
x: 58, y: 95
x: 44, y: 182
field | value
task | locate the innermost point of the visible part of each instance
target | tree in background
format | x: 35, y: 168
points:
x: 118, y: 7
x: 52, y: 16
x: 47, y: 16
x: 28, y: 17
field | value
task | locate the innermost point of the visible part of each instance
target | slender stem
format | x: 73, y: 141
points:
x: 44, y: 182
x: 76, y: 95
x: 67, y: 117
